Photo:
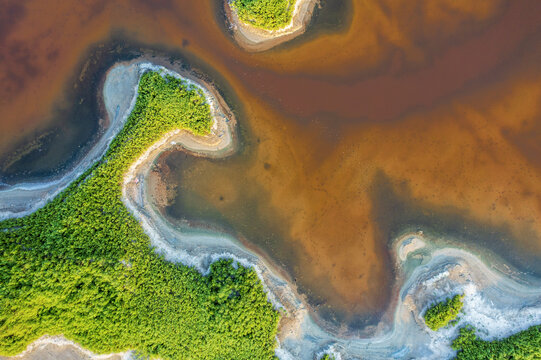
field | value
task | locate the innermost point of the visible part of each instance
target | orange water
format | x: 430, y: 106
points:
x: 409, y: 114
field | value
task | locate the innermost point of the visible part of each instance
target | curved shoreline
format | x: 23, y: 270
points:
x: 255, y: 39
x: 24, y: 198
x: 444, y: 270
x: 60, y: 348
x: 499, y: 303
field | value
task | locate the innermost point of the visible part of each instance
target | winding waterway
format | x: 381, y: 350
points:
x: 382, y: 118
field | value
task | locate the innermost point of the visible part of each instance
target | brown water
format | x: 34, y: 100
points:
x: 386, y: 116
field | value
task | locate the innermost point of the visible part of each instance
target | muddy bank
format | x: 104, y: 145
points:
x: 24, y: 198
x: 320, y: 103
x: 59, y: 348
x: 426, y: 272
x: 255, y: 39
x: 498, y: 300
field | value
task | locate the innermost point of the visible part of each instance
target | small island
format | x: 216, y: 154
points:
x: 264, y: 14
x: 259, y: 25
x: 443, y: 313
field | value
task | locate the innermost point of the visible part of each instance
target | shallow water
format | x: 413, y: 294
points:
x: 384, y: 117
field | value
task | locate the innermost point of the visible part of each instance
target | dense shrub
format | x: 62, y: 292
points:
x: 82, y: 266
x: 525, y: 345
x: 327, y: 357
x: 440, y: 314
x: 265, y: 14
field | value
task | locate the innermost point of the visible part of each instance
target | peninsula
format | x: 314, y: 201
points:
x: 82, y: 266
x: 99, y: 265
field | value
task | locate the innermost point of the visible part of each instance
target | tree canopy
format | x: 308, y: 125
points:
x: 525, y: 345
x: 440, y: 314
x: 83, y: 267
x: 264, y: 14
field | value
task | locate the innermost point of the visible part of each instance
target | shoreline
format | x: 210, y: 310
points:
x: 255, y: 39
x: 60, y: 348
x: 401, y: 333
x: 24, y: 198
x: 495, y: 301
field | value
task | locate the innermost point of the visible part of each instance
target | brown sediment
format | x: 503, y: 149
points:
x: 440, y: 97
x: 454, y: 155
x: 389, y: 94
x: 451, y: 267
x: 162, y: 193
x: 255, y: 39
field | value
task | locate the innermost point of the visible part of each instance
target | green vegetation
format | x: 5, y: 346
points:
x: 327, y: 357
x: 525, y: 345
x: 440, y: 314
x: 83, y: 267
x: 264, y: 14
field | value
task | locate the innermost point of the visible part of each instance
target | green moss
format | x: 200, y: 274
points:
x: 525, y: 345
x: 264, y: 14
x: 440, y: 314
x: 83, y: 267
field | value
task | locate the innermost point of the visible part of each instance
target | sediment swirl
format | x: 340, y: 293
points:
x: 498, y: 300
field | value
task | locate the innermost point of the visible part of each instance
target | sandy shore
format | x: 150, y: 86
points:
x: 498, y: 300
x: 59, y: 348
x: 254, y: 39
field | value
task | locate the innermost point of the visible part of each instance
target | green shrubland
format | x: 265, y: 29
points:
x: 327, y: 357
x: 264, y: 14
x: 83, y: 267
x: 525, y: 345
x: 440, y: 314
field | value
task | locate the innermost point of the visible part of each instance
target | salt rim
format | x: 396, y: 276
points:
x: 43, y: 341
x: 407, y: 337
x: 25, y: 198
x: 494, y: 302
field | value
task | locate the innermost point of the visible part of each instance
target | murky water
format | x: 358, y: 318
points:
x: 384, y: 116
